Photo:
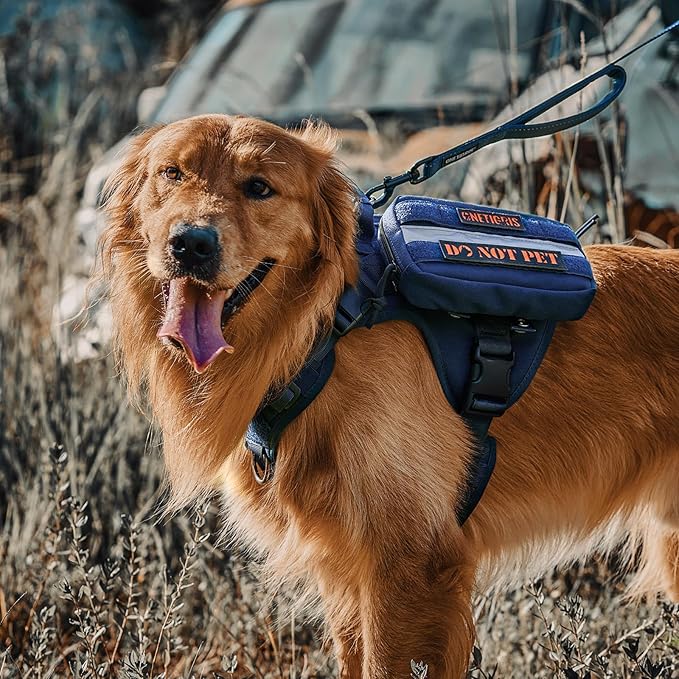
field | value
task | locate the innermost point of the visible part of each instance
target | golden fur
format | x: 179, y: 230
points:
x: 362, y: 504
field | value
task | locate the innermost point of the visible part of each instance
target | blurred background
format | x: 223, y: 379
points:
x: 90, y: 583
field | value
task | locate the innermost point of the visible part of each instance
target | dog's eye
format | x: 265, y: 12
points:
x: 257, y: 188
x: 172, y: 173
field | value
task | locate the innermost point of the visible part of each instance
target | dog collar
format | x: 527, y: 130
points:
x: 246, y: 287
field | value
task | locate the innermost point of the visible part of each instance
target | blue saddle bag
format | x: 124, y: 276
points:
x: 467, y: 259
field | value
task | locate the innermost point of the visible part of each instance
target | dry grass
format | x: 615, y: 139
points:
x: 91, y: 584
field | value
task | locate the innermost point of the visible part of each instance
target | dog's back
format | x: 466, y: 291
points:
x: 590, y: 455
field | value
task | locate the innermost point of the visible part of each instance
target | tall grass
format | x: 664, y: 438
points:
x: 91, y: 584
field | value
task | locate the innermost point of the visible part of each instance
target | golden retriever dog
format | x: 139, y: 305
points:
x: 361, y: 507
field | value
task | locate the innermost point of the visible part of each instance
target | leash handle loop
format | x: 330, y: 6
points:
x: 516, y: 128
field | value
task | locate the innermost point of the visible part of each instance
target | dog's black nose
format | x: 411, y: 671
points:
x: 194, y: 246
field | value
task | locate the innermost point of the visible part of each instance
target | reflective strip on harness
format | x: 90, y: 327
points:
x: 432, y: 234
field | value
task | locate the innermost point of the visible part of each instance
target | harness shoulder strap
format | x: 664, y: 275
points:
x: 358, y: 307
x: 268, y: 425
x: 487, y: 392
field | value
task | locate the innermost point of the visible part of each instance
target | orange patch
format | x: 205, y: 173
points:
x: 495, y: 254
x: 502, y: 220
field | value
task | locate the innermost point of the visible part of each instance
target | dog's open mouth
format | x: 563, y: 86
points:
x: 195, y: 316
x: 193, y: 321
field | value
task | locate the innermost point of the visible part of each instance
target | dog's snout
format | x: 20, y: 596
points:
x: 194, y: 246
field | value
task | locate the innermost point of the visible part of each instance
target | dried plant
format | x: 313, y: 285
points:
x: 90, y: 584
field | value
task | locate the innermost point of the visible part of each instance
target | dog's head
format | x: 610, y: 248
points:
x: 202, y: 209
x: 225, y: 234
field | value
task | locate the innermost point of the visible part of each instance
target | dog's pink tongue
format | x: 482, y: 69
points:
x: 193, y: 318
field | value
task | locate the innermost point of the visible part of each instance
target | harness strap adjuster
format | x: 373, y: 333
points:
x: 344, y: 321
x: 286, y: 398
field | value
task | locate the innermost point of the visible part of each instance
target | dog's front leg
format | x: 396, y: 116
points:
x: 348, y: 651
x: 342, y: 616
x: 414, y: 612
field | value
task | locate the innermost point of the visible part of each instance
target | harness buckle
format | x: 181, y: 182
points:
x: 286, y: 398
x: 369, y: 309
x: 489, y: 385
x: 344, y: 321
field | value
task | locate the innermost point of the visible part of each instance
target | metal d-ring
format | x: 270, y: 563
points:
x: 262, y: 468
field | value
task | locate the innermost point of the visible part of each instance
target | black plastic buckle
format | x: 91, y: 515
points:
x: 344, y: 321
x: 370, y: 307
x: 489, y: 386
x: 286, y: 398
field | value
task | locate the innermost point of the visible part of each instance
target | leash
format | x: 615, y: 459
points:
x: 517, y: 128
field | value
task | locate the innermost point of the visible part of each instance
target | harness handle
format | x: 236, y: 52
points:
x: 516, y: 128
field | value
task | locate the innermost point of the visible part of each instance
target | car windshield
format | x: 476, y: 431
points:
x: 290, y: 58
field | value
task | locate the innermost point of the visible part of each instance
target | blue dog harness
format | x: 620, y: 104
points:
x: 485, y: 287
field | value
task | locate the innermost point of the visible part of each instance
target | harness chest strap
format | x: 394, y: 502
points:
x: 268, y: 425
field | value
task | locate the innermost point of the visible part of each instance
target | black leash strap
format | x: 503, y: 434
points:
x: 517, y: 128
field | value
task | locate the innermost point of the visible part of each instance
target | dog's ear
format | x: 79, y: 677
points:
x: 120, y: 261
x: 333, y: 203
x: 119, y: 192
